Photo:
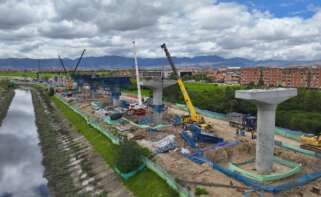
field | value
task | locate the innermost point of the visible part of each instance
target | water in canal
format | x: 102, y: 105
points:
x: 21, y: 171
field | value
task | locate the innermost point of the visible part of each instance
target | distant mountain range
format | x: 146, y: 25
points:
x: 114, y: 62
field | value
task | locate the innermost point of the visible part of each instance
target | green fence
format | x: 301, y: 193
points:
x: 149, y: 164
x: 294, y: 135
x: 297, y: 149
x: 294, y: 168
x: 168, y: 178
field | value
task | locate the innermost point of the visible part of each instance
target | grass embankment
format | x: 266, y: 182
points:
x: 55, y: 159
x: 145, y: 184
x: 6, y: 96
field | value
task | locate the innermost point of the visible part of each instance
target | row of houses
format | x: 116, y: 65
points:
x: 308, y: 77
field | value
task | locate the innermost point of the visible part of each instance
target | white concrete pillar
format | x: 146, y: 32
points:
x: 265, y: 137
x: 157, y: 105
x: 115, y: 94
x: 157, y: 87
x: 266, y: 101
x: 157, y: 96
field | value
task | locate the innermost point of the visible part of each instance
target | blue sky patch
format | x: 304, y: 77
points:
x: 283, y: 8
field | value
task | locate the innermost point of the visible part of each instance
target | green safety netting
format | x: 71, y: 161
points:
x: 96, y: 105
x: 295, y: 135
x: 297, y: 149
x: 168, y: 178
x: 294, y: 168
x: 127, y: 175
x: 145, y: 126
x: 109, y: 121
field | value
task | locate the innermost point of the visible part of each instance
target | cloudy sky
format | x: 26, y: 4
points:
x: 256, y: 29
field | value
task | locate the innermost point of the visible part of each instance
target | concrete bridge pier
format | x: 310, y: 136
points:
x: 115, y: 94
x: 157, y: 85
x: 266, y: 101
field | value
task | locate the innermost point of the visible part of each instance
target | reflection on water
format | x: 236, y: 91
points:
x: 21, y: 171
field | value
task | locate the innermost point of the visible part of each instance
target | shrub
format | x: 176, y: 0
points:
x: 51, y: 91
x: 200, y: 191
x: 129, y: 157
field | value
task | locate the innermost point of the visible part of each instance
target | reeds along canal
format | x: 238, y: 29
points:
x: 21, y: 169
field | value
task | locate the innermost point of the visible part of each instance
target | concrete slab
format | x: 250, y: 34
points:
x: 157, y: 83
x: 270, y: 96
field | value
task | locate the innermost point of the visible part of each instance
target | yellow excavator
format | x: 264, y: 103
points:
x: 311, y: 142
x: 193, y: 117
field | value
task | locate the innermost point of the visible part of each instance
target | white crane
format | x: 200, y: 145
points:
x: 139, y: 92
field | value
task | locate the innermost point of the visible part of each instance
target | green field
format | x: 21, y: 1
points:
x: 145, y: 184
x: 26, y: 74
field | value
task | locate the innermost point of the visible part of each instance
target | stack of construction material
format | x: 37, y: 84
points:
x: 166, y: 144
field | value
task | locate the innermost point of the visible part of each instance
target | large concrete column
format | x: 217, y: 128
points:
x: 115, y: 94
x: 266, y: 101
x: 158, y: 106
x: 93, y: 90
x: 157, y: 86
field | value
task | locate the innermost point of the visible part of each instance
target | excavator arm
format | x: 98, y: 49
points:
x: 194, y: 117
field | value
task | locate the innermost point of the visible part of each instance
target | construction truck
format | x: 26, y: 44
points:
x: 193, y: 117
x: 242, y: 123
x: 311, y: 142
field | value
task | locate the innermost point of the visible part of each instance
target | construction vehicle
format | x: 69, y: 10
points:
x: 242, y: 123
x: 69, y: 85
x: 311, y: 142
x: 193, y: 117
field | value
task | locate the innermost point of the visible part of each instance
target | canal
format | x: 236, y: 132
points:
x: 21, y: 171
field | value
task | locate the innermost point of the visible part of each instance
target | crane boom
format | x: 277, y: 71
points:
x: 62, y: 64
x: 78, y: 62
x: 137, y: 76
x: 193, y: 115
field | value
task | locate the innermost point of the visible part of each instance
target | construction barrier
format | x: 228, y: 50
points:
x: 294, y: 135
x: 145, y: 126
x: 199, y: 158
x: 149, y: 164
x: 298, y: 149
x: 294, y: 168
x: 168, y: 178
x: 127, y: 175
x: 203, y: 112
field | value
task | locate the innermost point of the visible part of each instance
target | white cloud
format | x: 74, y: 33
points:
x: 35, y: 28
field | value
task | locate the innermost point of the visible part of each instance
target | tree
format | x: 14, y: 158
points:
x: 51, y: 91
x: 129, y: 157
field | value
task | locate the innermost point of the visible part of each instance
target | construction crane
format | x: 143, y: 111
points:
x: 68, y: 74
x: 79, y: 60
x: 193, y: 117
x: 137, y: 108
